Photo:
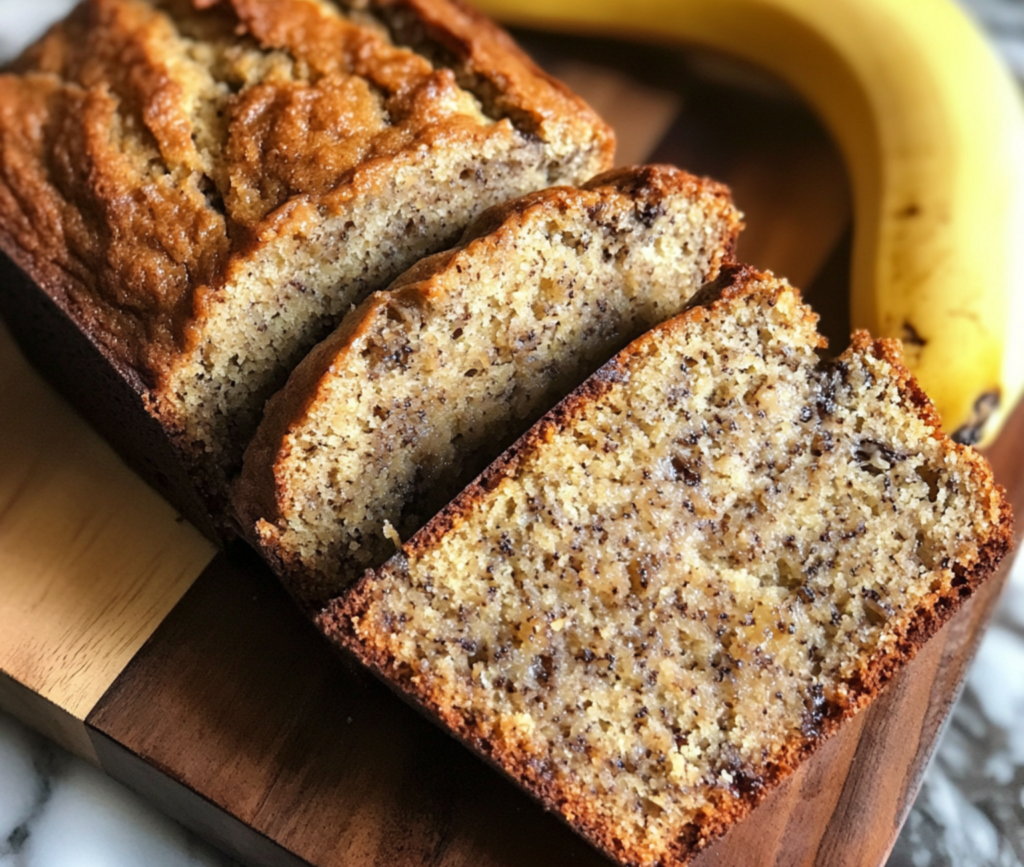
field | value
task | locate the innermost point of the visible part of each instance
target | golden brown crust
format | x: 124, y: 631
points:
x: 488, y: 62
x: 109, y: 199
x: 647, y: 185
x: 749, y: 788
x: 128, y: 251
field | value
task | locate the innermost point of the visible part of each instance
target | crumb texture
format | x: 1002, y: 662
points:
x: 654, y: 606
x: 209, y: 187
x: 425, y: 384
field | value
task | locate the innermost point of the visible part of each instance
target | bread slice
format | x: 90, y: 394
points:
x: 426, y: 383
x: 205, y: 188
x: 687, y: 575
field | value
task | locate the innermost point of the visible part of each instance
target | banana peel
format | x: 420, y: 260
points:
x: 931, y: 126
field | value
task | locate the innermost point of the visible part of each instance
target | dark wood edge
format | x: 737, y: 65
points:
x: 161, y: 785
x: 901, y: 728
x: 915, y: 711
x: 188, y: 807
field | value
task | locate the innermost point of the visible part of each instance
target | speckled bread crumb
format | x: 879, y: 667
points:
x: 656, y: 604
x: 207, y: 188
x: 425, y: 384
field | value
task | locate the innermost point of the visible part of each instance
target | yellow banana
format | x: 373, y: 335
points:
x: 932, y: 130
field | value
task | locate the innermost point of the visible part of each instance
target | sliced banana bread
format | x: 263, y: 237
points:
x: 426, y: 383
x: 688, y: 574
x: 205, y: 188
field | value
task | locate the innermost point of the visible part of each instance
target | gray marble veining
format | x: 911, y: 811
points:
x: 57, y: 811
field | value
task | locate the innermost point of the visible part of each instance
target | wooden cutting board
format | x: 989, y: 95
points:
x: 189, y: 676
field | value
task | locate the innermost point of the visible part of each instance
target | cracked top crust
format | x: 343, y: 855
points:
x: 147, y: 149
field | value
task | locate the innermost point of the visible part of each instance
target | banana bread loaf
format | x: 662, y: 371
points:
x: 206, y: 187
x: 426, y: 383
x: 688, y: 574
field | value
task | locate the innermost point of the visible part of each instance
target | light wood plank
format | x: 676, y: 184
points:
x: 91, y: 560
x: 46, y: 718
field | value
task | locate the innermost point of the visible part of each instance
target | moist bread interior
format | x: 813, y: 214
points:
x: 659, y: 600
x: 426, y: 383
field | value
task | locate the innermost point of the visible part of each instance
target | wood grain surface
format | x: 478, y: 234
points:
x: 91, y: 560
x: 229, y: 711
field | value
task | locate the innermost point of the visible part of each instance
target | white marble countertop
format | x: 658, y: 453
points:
x: 56, y: 811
